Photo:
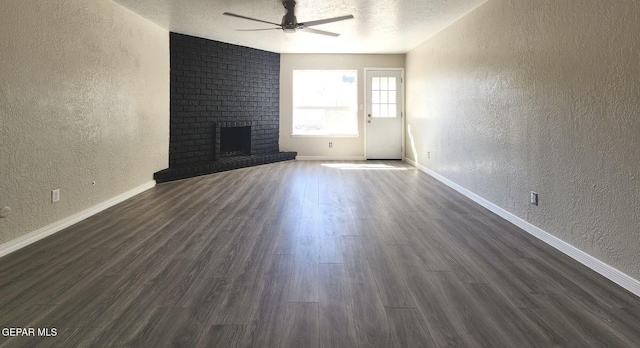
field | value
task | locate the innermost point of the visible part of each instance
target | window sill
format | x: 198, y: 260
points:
x: 325, y: 135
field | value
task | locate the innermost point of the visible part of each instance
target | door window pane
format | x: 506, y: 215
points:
x: 383, y: 83
x: 392, y: 84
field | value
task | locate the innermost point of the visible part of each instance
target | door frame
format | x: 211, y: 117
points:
x: 366, y: 107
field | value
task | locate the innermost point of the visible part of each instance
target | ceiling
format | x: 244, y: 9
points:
x: 380, y: 26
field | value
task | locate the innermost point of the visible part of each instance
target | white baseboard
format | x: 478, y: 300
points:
x: 330, y: 158
x: 411, y: 162
x: 59, y: 225
x: 611, y: 273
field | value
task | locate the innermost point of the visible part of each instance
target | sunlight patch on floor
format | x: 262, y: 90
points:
x: 362, y: 166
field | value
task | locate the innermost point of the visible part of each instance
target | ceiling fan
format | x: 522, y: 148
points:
x: 290, y: 23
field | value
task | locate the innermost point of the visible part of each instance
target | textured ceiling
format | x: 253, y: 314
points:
x: 384, y: 26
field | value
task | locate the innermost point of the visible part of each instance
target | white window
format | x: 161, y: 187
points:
x: 325, y: 102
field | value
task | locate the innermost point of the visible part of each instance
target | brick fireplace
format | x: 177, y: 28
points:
x: 219, y: 91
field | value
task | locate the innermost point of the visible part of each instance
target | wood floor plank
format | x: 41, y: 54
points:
x: 84, y: 306
x: 573, y: 284
x: 99, y: 228
x: 499, y: 230
x: 201, y: 312
x: 111, y: 297
x: 450, y: 246
x: 223, y: 336
x: 497, y: 315
x: 133, y: 320
x: 368, y: 209
x: 258, y: 239
x: 390, y: 231
x: 161, y: 328
x: 440, y: 299
x: 480, y: 236
x: 311, y: 200
x: 555, y: 327
x: 335, y: 212
x: 301, y: 325
x: 329, y: 250
x: 590, y: 323
x: 266, y: 327
x: 408, y: 329
x: 235, y: 240
x: 391, y: 286
x: 369, y: 317
x: 308, y: 253
x: 104, y: 257
x: 331, y: 189
x: 627, y: 322
x: 186, y: 281
x: 506, y: 278
x: 235, y: 308
x: 335, y: 322
x: 304, y: 282
x: 287, y: 232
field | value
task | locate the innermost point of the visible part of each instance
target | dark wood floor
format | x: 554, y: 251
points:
x: 300, y: 254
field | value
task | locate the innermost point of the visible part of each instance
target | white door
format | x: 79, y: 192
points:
x: 383, y: 114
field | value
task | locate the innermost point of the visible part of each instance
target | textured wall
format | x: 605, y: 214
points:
x: 319, y: 146
x: 544, y: 96
x: 214, y: 82
x: 84, y: 95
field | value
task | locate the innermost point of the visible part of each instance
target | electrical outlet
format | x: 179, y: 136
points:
x: 428, y: 154
x: 534, y: 198
x: 330, y: 144
x: 55, y: 195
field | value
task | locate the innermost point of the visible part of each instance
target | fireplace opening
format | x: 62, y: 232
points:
x: 235, y: 141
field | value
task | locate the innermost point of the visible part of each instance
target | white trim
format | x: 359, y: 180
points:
x: 609, y: 272
x: 59, y: 225
x: 410, y: 161
x: 330, y: 158
x: 357, y: 135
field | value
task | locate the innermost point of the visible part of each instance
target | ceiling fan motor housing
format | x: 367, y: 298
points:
x: 289, y: 20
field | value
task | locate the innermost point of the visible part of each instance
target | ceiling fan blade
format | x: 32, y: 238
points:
x: 321, y: 32
x: 249, y: 18
x: 258, y: 29
x: 325, y: 21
